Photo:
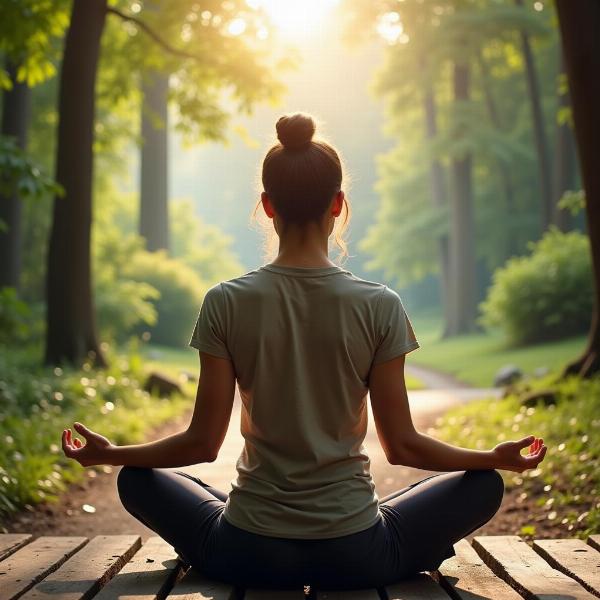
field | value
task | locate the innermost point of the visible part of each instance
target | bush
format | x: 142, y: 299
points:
x: 181, y: 292
x: 37, y: 403
x: 546, y: 295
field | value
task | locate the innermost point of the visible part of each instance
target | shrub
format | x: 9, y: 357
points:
x: 37, y: 403
x: 545, y: 295
x: 181, y: 292
x: 15, y: 317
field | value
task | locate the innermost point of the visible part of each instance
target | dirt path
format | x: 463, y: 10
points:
x: 67, y: 517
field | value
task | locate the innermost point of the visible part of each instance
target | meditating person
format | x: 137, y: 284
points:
x: 308, y: 343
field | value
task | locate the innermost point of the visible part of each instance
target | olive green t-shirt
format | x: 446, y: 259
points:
x: 302, y: 341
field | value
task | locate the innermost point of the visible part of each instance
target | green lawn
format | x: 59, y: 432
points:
x: 476, y: 358
x: 565, y: 484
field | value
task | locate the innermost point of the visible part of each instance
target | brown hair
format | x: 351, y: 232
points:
x: 301, y: 176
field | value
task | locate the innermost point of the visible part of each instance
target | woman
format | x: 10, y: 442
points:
x: 306, y: 340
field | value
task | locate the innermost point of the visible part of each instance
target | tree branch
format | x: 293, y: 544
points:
x: 148, y: 30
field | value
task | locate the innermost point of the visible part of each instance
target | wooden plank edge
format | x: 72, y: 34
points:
x: 553, y: 562
x: 21, y: 539
x: 52, y: 567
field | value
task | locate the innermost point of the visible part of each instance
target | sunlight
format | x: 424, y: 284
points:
x: 294, y: 19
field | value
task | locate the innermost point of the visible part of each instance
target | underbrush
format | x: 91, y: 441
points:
x: 566, y: 484
x: 37, y: 403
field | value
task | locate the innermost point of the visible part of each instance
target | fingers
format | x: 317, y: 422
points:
x: 82, y: 429
x: 527, y: 441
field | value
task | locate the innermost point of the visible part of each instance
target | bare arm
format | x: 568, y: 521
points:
x: 404, y: 445
x: 200, y: 442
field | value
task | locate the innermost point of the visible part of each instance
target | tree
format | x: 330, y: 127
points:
x: 15, y: 116
x: 71, y: 320
x: 579, y: 24
x: 565, y: 160
x: 154, y: 195
x: 539, y: 130
x: 244, y: 67
x: 462, y: 309
x: 27, y: 32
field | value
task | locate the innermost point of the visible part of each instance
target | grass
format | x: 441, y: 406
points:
x: 37, y: 403
x: 566, y: 485
x: 475, y: 358
x: 173, y: 361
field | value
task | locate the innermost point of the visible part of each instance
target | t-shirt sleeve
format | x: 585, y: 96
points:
x: 396, y: 335
x: 209, y: 333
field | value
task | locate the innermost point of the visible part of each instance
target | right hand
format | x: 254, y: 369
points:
x: 509, y: 455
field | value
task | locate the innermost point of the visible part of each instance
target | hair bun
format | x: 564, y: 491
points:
x: 295, y: 131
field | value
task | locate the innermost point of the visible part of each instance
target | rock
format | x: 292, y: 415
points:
x: 188, y: 376
x: 541, y: 372
x: 507, y: 375
x: 162, y: 385
x: 547, y: 396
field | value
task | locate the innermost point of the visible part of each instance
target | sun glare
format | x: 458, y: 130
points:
x: 295, y: 18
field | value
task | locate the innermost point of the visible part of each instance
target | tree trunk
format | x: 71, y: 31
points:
x: 438, y: 198
x: 71, y: 326
x: 503, y: 168
x: 463, y: 303
x: 579, y: 25
x: 564, y: 163
x: 154, y: 214
x: 539, y: 131
x: 15, y: 118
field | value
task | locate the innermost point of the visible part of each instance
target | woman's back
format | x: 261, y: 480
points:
x: 303, y: 341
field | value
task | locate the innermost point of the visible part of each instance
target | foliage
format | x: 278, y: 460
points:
x: 14, y: 316
x: 212, y: 51
x: 546, y: 295
x: 181, y: 292
x: 37, y: 403
x: 572, y: 201
x: 567, y: 482
x: 424, y: 42
x: 28, y: 31
x: 201, y: 246
x: 19, y: 175
x: 121, y: 301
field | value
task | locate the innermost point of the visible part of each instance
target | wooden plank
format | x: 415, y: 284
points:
x: 257, y: 594
x: 150, y: 573
x: 594, y: 541
x: 518, y: 564
x: 21, y: 571
x: 195, y: 586
x: 370, y: 594
x: 11, y: 542
x: 467, y: 577
x: 82, y: 576
x: 418, y: 587
x: 574, y: 558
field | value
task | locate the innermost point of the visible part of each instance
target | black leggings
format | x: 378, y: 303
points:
x: 420, y: 525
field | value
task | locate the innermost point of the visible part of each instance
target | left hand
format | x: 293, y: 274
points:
x: 94, y: 452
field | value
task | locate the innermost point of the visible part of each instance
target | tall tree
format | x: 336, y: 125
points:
x: 579, y: 25
x: 565, y: 160
x: 28, y: 30
x: 71, y: 321
x: 154, y: 163
x: 242, y: 65
x: 539, y: 129
x: 15, y: 117
x: 462, y: 301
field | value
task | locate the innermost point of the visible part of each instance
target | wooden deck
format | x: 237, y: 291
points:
x: 120, y: 567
